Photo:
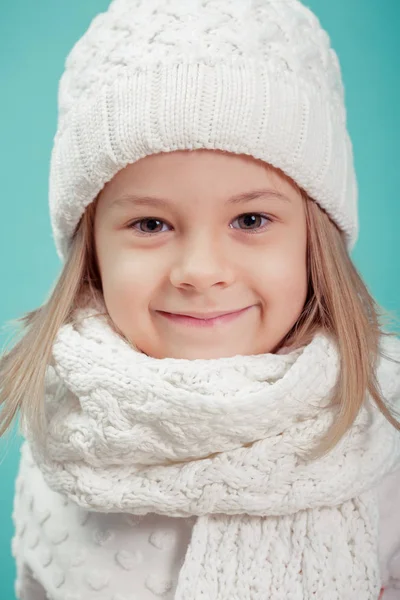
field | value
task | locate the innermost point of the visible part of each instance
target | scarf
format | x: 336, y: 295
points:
x: 224, y: 440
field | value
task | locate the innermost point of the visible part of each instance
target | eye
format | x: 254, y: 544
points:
x: 253, y: 222
x: 152, y: 224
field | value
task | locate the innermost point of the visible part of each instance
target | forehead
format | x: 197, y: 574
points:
x: 195, y: 174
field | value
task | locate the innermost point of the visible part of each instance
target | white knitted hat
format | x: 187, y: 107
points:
x: 255, y: 77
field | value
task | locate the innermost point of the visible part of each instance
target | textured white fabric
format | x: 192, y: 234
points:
x: 86, y: 555
x: 255, y: 77
x: 389, y: 534
x: 223, y: 439
x: 64, y: 552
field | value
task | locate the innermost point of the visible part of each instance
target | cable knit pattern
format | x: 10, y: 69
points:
x: 285, y: 34
x: 141, y: 554
x: 224, y: 440
x: 247, y: 76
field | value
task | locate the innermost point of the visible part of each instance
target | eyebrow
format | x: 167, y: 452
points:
x: 140, y: 200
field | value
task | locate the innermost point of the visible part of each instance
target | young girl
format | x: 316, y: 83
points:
x: 208, y: 400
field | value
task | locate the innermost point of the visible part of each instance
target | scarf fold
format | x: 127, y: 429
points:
x: 224, y: 440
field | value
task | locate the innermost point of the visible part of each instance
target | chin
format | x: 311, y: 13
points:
x: 198, y: 353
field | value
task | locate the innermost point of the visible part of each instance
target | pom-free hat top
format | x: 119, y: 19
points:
x: 255, y: 77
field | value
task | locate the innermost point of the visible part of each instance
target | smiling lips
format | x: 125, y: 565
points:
x: 204, y: 319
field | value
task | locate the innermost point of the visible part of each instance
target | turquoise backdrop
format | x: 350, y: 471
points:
x: 35, y: 38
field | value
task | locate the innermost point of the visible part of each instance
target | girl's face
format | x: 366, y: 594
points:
x: 174, y: 236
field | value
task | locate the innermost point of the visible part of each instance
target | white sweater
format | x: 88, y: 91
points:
x: 57, y: 543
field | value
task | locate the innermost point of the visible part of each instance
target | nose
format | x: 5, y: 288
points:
x: 201, y: 264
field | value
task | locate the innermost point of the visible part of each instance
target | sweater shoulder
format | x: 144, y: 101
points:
x: 389, y: 529
x: 68, y: 550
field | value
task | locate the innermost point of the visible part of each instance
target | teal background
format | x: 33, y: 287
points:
x: 35, y: 38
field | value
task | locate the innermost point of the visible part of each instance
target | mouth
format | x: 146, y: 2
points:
x: 204, y: 319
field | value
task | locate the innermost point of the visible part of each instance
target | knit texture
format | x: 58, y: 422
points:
x: 255, y: 77
x: 78, y: 554
x: 64, y: 552
x: 224, y: 440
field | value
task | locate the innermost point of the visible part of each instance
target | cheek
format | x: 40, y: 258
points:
x: 285, y: 278
x: 128, y: 275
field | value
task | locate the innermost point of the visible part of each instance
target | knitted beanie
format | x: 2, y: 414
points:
x: 254, y: 77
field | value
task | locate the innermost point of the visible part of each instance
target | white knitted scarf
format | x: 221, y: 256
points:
x: 223, y: 439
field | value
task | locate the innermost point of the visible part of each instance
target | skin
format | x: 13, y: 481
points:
x: 200, y: 254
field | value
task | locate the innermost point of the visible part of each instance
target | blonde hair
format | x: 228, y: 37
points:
x: 338, y: 303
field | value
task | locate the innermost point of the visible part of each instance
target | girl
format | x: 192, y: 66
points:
x: 208, y: 400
